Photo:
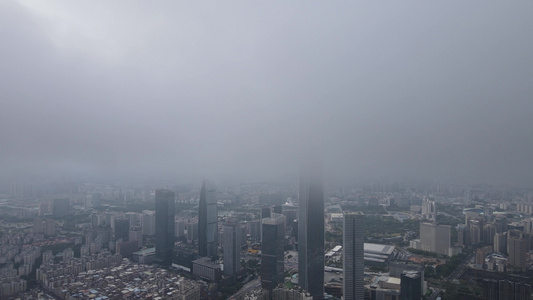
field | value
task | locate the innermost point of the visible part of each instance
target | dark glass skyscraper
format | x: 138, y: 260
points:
x: 122, y: 229
x: 411, y: 285
x: 232, y: 248
x: 311, y: 232
x: 272, y: 255
x: 164, y: 226
x: 353, y: 256
x: 207, y: 221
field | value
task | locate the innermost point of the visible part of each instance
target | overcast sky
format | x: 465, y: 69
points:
x: 242, y: 89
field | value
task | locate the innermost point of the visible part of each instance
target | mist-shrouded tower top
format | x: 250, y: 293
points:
x: 207, y: 221
x: 311, y: 230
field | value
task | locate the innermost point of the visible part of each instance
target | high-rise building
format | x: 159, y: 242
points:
x: 411, y: 286
x: 164, y: 226
x: 435, y: 238
x: 180, y: 228
x: 500, y: 243
x: 232, y: 248
x: 192, y: 232
x: 516, y: 247
x: 429, y: 209
x: 311, y: 233
x: 122, y: 229
x: 148, y: 222
x: 207, y: 221
x: 272, y: 247
x: 136, y: 234
x: 61, y: 207
x: 353, y: 256
x: 505, y: 289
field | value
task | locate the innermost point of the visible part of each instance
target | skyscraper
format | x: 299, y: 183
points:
x: 232, y: 248
x: 353, y: 256
x: 516, y: 247
x: 272, y: 247
x: 207, y: 221
x: 435, y: 238
x: 122, y: 229
x: 411, y: 285
x: 164, y: 226
x: 311, y: 232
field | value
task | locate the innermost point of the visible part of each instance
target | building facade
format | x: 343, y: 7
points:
x: 164, y: 224
x: 207, y: 221
x: 232, y: 249
x: 311, y: 233
x: 353, y: 256
x: 272, y: 247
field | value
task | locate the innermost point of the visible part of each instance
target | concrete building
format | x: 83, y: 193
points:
x: 435, y: 238
x: 164, y: 223
x: 311, y: 232
x: 207, y: 221
x: 411, y: 286
x: 516, y: 248
x: 353, y: 256
x: 272, y: 255
x: 232, y: 249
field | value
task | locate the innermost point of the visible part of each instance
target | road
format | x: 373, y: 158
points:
x: 256, y: 283
x: 460, y: 269
x: 434, y: 294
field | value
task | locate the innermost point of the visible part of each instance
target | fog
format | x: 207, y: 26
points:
x: 245, y: 89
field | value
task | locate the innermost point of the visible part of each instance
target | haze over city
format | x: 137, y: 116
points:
x: 228, y: 90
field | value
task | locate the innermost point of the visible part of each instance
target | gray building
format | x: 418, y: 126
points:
x: 272, y: 247
x: 232, y: 248
x: 207, y: 221
x: 311, y: 232
x: 164, y: 225
x: 353, y: 256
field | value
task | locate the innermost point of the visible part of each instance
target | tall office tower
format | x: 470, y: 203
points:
x: 435, y: 238
x: 164, y: 226
x: 232, y: 248
x: 207, y: 221
x: 353, y: 256
x: 429, y: 209
x: 272, y: 255
x: 148, y: 222
x: 122, y: 229
x: 411, y: 286
x: 61, y: 207
x: 311, y: 233
x: 516, y: 247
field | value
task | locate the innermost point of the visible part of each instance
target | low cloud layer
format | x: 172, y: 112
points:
x: 243, y: 90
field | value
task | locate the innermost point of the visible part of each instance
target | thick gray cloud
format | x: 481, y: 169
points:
x: 243, y: 89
